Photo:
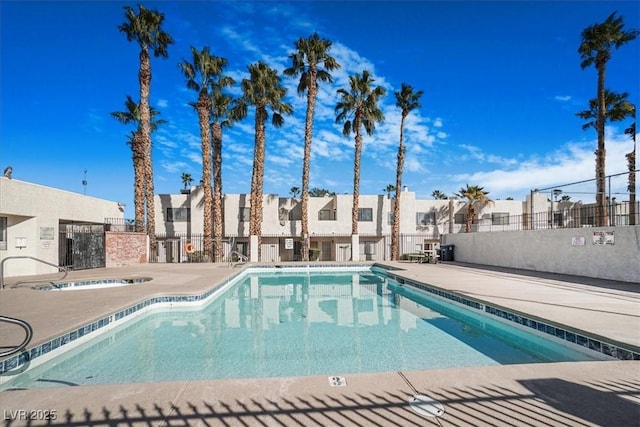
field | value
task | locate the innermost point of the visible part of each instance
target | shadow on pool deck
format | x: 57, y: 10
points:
x: 509, y: 399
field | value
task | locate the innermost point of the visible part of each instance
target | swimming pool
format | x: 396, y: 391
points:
x: 293, y: 323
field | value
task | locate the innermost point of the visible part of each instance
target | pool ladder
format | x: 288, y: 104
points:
x: 241, y: 258
x: 29, y: 281
x: 27, y: 339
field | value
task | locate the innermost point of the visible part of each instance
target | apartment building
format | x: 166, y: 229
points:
x: 179, y: 220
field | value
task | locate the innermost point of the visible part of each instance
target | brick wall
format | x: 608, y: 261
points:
x: 124, y: 249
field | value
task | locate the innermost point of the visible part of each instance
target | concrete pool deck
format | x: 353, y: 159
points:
x: 577, y: 393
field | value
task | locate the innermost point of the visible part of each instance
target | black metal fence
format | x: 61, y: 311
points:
x: 567, y: 216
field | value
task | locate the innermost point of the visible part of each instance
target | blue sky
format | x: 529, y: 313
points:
x: 502, y: 83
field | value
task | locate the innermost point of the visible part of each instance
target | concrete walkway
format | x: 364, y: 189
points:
x: 559, y: 394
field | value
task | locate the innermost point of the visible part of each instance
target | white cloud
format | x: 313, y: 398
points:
x: 562, y: 98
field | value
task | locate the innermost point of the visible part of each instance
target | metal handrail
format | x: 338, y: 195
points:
x: 27, y: 339
x: 29, y: 281
x: 241, y: 257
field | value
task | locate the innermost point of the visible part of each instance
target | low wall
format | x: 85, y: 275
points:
x: 123, y: 249
x: 575, y: 251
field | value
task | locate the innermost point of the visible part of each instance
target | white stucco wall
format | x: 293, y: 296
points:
x: 34, y: 213
x: 555, y: 251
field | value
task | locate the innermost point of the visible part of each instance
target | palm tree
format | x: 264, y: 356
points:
x: 132, y: 115
x: 357, y: 108
x: 222, y: 116
x: 617, y: 108
x: 407, y: 100
x: 295, y: 191
x: 320, y: 192
x: 631, y: 164
x: 145, y: 28
x: 263, y: 90
x: 199, y: 75
x: 439, y: 195
x: 311, y: 53
x: 595, y: 49
x: 390, y: 188
x: 186, y: 180
x: 474, y: 195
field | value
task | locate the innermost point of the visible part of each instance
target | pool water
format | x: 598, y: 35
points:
x: 294, y: 324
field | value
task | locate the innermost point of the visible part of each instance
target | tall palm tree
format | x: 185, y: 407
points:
x: 631, y: 164
x: 311, y: 53
x: 438, y: 195
x: 131, y: 115
x: 264, y: 91
x: 145, y: 28
x: 406, y: 100
x: 222, y: 116
x: 358, y: 108
x: 474, y: 195
x: 595, y: 49
x: 199, y: 74
x: 617, y: 108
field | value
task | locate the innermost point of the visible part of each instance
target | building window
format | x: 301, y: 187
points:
x: 244, y: 215
x: 425, y: 218
x: 390, y: 218
x: 557, y: 219
x: 3, y: 233
x: 365, y: 214
x: 326, y: 215
x: 460, y: 218
x: 295, y: 215
x: 178, y: 214
x: 500, y: 218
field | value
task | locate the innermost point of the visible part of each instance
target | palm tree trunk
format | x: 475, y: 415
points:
x: 203, y: 105
x: 395, y: 228
x: 470, y: 214
x: 139, y: 181
x: 631, y: 159
x: 218, y: 231
x: 308, y: 135
x: 144, y: 78
x: 602, y: 218
x: 356, y: 176
x: 255, y: 222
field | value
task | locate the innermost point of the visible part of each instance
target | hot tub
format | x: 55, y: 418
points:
x: 78, y: 285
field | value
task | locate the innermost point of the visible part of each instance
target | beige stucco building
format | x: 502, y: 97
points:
x: 422, y: 223
x: 36, y: 221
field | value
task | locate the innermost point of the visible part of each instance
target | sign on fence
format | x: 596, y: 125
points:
x: 604, y: 238
x: 288, y: 243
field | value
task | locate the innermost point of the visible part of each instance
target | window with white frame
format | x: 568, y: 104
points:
x: 425, y: 218
x: 390, y: 218
x: 244, y: 214
x: 499, y: 218
x: 178, y: 214
x: 3, y: 233
x: 327, y: 215
x: 460, y: 218
x: 365, y: 214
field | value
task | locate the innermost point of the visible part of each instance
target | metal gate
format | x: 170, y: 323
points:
x: 81, y: 246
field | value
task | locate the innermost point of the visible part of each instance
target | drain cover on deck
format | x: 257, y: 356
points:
x: 424, y: 405
x: 337, y: 381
